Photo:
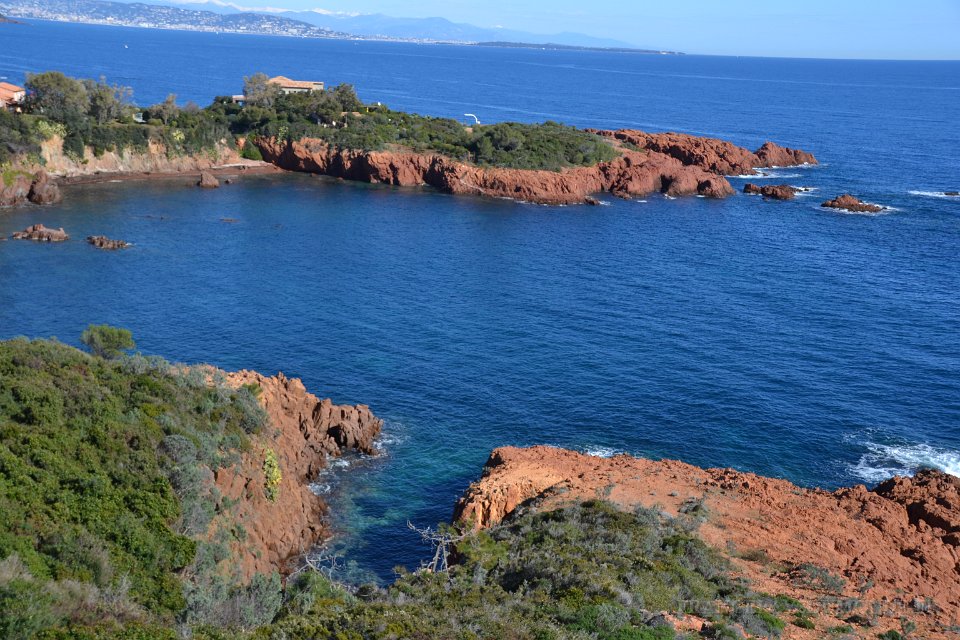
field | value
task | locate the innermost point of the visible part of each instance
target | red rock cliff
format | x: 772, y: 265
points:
x: 302, y: 433
x: 636, y: 173
x: 897, y: 546
x: 713, y: 155
x: 674, y: 164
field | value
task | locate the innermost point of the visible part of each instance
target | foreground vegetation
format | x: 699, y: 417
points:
x: 97, y: 115
x: 111, y: 528
x: 108, y: 512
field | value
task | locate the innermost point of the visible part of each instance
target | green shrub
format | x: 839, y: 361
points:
x: 250, y: 151
x: 105, y: 494
x: 105, y: 341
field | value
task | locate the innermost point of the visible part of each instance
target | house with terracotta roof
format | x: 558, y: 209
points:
x: 295, y: 86
x: 11, y: 96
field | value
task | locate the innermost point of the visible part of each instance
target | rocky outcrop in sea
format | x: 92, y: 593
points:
x: 40, y: 233
x: 848, y: 202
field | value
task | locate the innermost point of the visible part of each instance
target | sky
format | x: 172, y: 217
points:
x: 891, y: 29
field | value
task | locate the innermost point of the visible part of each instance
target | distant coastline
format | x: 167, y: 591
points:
x: 551, y: 46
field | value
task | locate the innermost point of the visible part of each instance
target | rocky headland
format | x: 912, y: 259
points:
x: 672, y: 164
x: 854, y: 556
x: 669, y: 163
x: 712, y: 154
x: 303, y: 432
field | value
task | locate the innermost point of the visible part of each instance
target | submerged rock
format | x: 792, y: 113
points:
x: 103, y: 242
x: 849, y: 203
x: 775, y: 191
x: 40, y: 233
x: 208, y: 180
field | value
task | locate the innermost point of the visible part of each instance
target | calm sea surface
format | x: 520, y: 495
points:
x: 779, y: 338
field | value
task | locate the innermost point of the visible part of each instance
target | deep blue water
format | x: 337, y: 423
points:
x: 779, y: 338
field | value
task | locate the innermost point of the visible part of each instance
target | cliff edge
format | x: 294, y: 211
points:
x: 303, y: 432
x: 672, y: 164
x: 852, y: 555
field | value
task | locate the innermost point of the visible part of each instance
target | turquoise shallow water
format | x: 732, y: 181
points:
x: 773, y: 337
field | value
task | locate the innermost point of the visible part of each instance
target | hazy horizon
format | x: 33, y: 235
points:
x: 882, y: 29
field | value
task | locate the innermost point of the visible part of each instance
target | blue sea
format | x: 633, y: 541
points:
x: 779, y: 338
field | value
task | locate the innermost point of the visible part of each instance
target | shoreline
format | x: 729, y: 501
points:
x: 229, y: 170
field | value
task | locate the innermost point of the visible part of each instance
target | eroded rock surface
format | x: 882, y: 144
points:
x: 40, y: 233
x: 711, y: 154
x: 208, y: 180
x: 849, y: 203
x: 20, y: 187
x: 103, y: 242
x: 898, y: 544
x: 303, y: 433
x: 44, y: 189
x: 775, y: 191
x: 633, y: 174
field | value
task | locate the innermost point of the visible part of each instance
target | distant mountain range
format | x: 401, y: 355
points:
x: 440, y: 29
x: 228, y: 17
x: 163, y: 17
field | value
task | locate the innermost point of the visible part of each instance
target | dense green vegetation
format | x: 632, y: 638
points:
x: 95, y: 114
x: 107, y: 510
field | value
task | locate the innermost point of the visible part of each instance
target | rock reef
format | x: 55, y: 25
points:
x: 40, y: 233
x: 848, y: 202
x: 774, y: 191
x: 677, y: 169
x: 105, y: 243
x: 303, y: 432
x: 897, y: 545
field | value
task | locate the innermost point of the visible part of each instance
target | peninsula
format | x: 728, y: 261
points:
x: 329, y: 131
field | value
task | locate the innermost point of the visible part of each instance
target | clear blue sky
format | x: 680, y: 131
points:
x: 901, y: 29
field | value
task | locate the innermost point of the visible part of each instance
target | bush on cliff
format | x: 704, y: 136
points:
x: 586, y: 571
x: 108, y: 514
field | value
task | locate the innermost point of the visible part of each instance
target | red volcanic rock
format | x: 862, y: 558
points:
x: 103, y: 242
x: 208, y: 180
x: 899, y: 543
x: 43, y: 189
x: 40, y: 233
x: 773, y: 155
x: 711, y: 154
x: 303, y: 433
x: 775, y: 191
x: 14, y: 190
x: 632, y: 174
x: 849, y: 203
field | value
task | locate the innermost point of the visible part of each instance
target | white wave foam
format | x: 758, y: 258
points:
x: 934, y: 194
x: 766, y: 175
x: 601, y: 452
x: 883, y: 461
